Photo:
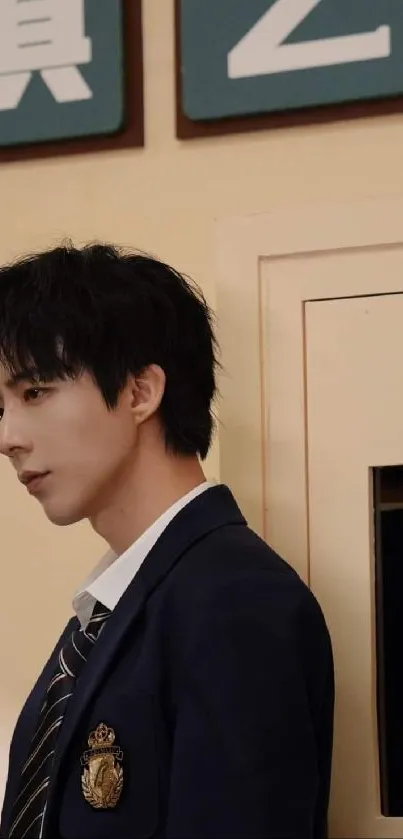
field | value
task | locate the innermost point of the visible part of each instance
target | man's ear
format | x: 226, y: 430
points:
x: 146, y: 392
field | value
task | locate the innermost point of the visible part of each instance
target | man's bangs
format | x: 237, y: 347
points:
x: 45, y: 358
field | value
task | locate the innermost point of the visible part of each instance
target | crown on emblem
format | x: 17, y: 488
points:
x: 101, y: 737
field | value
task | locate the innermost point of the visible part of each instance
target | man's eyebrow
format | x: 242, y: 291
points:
x: 29, y: 374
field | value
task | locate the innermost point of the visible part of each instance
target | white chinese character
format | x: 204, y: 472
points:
x: 44, y: 35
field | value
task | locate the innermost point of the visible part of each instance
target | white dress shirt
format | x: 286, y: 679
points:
x: 113, y: 574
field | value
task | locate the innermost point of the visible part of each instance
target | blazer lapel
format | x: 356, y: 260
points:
x: 28, y: 719
x: 214, y: 508
x: 25, y: 729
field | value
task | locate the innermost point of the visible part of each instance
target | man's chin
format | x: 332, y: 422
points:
x: 63, y: 517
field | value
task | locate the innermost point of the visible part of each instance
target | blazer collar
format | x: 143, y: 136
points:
x: 213, y: 509
x: 109, y: 580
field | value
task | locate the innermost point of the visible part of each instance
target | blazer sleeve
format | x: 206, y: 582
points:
x: 253, y: 733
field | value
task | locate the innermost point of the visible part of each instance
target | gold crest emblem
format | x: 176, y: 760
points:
x: 102, y: 778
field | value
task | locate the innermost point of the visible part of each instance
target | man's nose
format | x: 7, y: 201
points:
x: 12, y: 436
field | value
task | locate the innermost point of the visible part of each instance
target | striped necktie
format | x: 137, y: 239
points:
x: 30, y: 805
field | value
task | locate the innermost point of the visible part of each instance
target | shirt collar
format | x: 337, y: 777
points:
x: 113, y: 574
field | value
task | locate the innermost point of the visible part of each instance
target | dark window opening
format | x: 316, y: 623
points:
x: 388, y: 511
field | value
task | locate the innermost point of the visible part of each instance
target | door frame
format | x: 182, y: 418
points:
x: 261, y: 334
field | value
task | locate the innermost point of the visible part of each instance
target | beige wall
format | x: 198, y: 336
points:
x: 163, y: 199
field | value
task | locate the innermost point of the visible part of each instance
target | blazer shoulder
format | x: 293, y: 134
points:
x: 235, y: 547
x: 232, y: 570
x: 232, y: 586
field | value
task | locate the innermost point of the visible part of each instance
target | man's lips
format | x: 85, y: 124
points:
x: 32, y: 480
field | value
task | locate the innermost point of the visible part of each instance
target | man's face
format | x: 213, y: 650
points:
x: 64, y: 431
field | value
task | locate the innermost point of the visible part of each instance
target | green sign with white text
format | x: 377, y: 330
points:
x: 62, y: 70
x: 244, y: 57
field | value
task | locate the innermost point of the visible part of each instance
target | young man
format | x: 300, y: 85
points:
x: 192, y: 693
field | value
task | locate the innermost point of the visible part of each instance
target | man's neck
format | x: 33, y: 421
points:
x: 143, y: 498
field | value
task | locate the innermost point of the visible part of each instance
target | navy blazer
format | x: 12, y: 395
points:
x: 215, y: 672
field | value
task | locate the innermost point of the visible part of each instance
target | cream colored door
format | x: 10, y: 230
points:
x: 354, y: 398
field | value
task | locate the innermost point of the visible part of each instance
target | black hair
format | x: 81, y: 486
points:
x: 111, y: 313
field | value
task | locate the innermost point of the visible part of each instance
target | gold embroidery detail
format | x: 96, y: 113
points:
x: 102, y: 778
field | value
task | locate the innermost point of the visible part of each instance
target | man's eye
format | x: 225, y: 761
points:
x: 33, y: 393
